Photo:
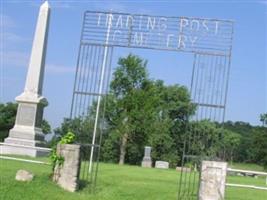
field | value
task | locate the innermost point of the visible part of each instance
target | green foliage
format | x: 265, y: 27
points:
x: 252, y: 147
x: 263, y: 119
x: 259, y: 146
x: 141, y: 112
x: 144, y: 112
x: 110, y: 148
x: 56, y: 159
x: 7, y: 118
x: 127, y: 114
x: 230, y: 142
x: 81, y: 127
x: 68, y: 125
x: 69, y: 138
x: 45, y: 126
x: 130, y: 75
x: 203, y: 138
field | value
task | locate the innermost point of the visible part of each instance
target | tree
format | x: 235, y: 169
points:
x: 230, y: 142
x: 243, y: 152
x: 252, y: 145
x: 203, y: 138
x: 129, y: 79
x: 139, y: 112
x: 259, y: 146
x: 173, y: 108
x: 45, y: 126
x: 143, y: 112
x: 263, y: 119
x: 82, y: 128
x: 7, y: 118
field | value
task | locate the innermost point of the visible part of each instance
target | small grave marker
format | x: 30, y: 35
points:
x: 162, y: 165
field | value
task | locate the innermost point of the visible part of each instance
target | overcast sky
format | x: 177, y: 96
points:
x: 247, y: 97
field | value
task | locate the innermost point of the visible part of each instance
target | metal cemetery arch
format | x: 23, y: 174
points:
x: 210, y: 40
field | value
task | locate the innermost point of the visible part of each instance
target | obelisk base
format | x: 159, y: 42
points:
x: 26, y: 137
x: 146, y: 162
x: 15, y: 149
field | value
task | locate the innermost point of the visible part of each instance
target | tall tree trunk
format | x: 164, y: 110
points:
x: 124, y: 141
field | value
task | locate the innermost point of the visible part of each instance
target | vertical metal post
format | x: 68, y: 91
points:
x: 100, y: 93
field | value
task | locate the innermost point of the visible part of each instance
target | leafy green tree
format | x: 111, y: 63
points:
x: 173, y: 108
x: 263, y: 119
x: 243, y: 152
x: 230, y: 142
x: 129, y: 79
x: 203, y: 138
x: 7, y: 118
x: 252, y: 146
x: 45, y: 126
x: 80, y: 127
x: 143, y: 112
x: 259, y: 146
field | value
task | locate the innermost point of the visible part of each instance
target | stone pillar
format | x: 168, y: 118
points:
x: 67, y: 175
x: 26, y: 136
x: 212, y: 180
x: 147, y: 162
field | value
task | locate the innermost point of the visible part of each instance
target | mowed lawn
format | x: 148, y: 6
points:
x: 114, y: 183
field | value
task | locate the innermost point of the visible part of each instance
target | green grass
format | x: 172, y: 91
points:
x: 114, y: 183
x: 247, y: 166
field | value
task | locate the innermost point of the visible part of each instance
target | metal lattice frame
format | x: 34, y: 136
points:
x: 210, y: 40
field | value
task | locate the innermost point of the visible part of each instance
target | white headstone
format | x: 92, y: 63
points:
x: 162, y: 165
x: 26, y: 136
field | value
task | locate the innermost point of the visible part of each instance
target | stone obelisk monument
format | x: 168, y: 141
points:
x: 26, y: 137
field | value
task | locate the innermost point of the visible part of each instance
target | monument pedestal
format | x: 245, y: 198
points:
x: 26, y: 137
x: 147, y: 161
x: 15, y: 149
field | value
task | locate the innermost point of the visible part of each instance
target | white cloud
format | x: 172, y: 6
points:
x: 110, y: 5
x: 61, y: 5
x: 59, y: 69
x: 53, y: 4
x: 6, y: 21
x: 144, y: 11
x: 21, y: 59
x: 264, y: 2
x: 14, y: 58
x: 10, y: 37
x: 11, y: 41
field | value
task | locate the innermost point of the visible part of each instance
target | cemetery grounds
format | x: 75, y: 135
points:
x: 114, y: 183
